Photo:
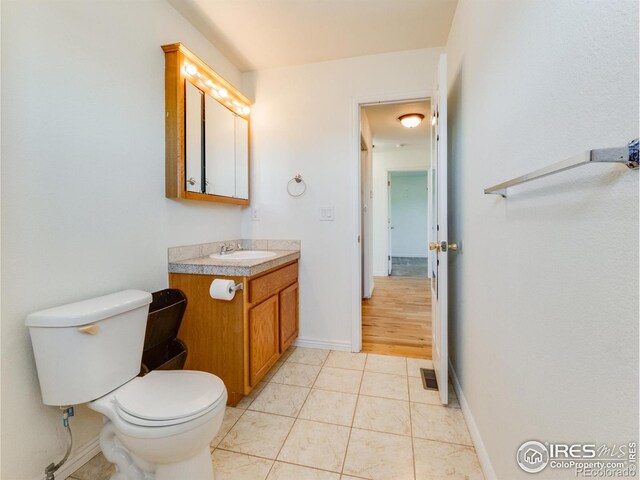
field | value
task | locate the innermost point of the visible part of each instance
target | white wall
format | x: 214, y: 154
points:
x: 407, y: 158
x: 544, y: 291
x: 83, y: 207
x: 305, y: 121
x: 409, y: 214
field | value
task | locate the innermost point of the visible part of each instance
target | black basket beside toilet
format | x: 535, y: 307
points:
x: 162, y: 349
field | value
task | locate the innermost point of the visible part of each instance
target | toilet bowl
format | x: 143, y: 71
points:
x: 157, y: 427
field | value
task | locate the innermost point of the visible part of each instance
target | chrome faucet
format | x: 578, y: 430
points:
x: 229, y: 248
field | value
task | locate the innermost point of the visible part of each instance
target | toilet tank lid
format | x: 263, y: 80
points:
x: 89, y: 311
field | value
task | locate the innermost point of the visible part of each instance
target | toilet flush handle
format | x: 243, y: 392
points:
x: 92, y: 329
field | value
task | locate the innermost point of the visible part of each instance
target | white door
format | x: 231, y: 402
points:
x: 439, y: 245
x: 389, y: 226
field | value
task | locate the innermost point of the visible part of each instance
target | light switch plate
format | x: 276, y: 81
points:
x: 255, y: 213
x: 327, y: 214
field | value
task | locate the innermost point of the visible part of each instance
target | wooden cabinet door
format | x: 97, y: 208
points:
x: 288, y: 316
x: 263, y: 338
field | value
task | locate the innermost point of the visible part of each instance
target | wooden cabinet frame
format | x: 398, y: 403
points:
x: 177, y: 56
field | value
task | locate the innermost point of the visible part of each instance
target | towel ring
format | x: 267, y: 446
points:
x: 299, y: 187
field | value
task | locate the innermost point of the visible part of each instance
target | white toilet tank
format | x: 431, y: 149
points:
x: 86, y: 349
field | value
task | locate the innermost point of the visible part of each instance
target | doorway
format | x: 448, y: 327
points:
x: 396, y: 311
x: 408, y: 230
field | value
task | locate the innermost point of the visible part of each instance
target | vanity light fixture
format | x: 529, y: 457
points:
x: 411, y: 120
x: 215, y: 88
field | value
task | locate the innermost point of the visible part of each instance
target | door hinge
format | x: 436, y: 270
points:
x: 388, y: 183
x: 389, y: 257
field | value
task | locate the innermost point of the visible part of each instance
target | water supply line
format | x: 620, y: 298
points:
x: 52, y: 468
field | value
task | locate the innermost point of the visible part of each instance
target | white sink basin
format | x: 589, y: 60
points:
x: 243, y: 255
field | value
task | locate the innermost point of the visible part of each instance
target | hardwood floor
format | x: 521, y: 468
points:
x: 396, y: 320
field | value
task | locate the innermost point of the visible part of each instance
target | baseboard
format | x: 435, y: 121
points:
x: 323, y: 344
x: 483, y: 456
x: 76, y: 460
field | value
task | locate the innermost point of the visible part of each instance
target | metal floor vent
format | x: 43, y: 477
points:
x: 429, y: 381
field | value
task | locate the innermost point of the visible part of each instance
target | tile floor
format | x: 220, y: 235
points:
x: 408, y: 267
x: 326, y: 415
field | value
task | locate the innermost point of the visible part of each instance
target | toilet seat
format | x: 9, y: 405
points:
x: 170, y: 397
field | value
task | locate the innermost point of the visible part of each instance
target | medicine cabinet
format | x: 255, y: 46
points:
x: 207, y: 132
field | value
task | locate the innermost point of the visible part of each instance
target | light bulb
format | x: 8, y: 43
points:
x: 246, y: 110
x: 191, y: 69
x: 223, y: 92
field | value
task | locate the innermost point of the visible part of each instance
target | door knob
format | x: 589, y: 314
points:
x: 443, y: 246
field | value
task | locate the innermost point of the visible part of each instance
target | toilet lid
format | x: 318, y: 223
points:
x: 166, y: 396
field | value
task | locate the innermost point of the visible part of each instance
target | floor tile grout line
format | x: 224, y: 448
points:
x: 353, y: 417
x: 306, y: 466
x: 356, y: 427
x: 230, y: 428
x: 444, y: 441
x: 295, y: 419
x: 242, y: 414
x: 413, y: 447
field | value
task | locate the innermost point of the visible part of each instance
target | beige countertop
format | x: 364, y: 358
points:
x: 233, y: 268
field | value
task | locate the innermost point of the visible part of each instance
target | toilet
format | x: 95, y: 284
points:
x: 156, y: 427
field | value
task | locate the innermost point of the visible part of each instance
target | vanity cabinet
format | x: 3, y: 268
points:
x: 241, y: 339
x: 207, y: 132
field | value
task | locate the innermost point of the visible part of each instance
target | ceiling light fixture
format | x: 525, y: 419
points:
x: 411, y: 120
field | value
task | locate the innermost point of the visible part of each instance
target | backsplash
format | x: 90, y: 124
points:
x: 186, y: 252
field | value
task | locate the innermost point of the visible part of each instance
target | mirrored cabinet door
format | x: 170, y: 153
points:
x: 242, y: 157
x: 193, y: 138
x: 219, y: 141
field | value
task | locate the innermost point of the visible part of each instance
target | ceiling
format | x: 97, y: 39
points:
x: 257, y: 34
x: 386, y: 129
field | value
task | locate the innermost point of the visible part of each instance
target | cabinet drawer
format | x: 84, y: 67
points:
x: 270, y: 283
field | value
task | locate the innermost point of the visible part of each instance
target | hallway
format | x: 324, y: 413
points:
x: 396, y: 320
